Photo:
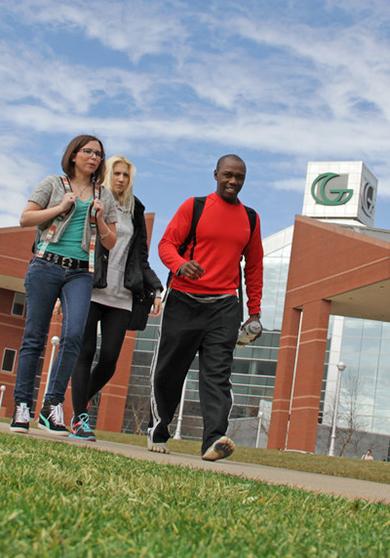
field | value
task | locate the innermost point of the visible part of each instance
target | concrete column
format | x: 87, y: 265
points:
x: 302, y: 434
x: 284, y: 379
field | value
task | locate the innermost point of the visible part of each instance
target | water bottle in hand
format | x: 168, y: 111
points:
x: 250, y: 332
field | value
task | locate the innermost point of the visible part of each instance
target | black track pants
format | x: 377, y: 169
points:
x: 188, y: 326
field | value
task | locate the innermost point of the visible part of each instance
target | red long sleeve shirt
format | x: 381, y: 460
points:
x: 222, y: 235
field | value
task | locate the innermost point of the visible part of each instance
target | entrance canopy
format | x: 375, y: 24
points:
x: 346, y: 265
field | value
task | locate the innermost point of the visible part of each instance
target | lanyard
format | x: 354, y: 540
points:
x: 54, y: 226
x: 92, y: 223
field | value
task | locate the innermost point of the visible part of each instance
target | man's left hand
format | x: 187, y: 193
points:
x: 254, y: 318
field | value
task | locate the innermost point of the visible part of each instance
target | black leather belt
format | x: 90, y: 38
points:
x: 63, y: 261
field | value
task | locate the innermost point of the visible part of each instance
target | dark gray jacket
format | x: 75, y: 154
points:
x: 139, y: 278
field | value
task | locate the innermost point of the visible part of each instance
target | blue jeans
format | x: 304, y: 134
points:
x: 44, y: 283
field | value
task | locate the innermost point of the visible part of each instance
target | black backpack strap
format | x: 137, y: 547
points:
x: 252, y: 216
x: 197, y: 210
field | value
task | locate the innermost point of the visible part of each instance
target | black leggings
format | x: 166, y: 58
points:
x: 86, y: 382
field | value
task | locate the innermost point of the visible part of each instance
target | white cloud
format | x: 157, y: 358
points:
x: 136, y: 28
x: 18, y: 176
x: 290, y: 184
x: 375, y: 12
x: 344, y: 78
x: 65, y: 87
x: 269, y: 85
x: 292, y: 135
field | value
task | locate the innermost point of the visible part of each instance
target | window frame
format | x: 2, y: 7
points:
x: 15, y: 354
x: 14, y: 303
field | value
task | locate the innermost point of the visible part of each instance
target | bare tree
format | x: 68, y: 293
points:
x: 351, y: 428
x: 139, y: 408
x: 349, y: 415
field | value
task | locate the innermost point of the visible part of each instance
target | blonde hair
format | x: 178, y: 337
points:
x: 126, y: 200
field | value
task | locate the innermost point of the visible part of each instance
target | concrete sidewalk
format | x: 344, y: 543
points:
x: 336, y: 486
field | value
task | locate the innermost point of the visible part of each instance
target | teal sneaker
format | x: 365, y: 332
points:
x: 80, y: 429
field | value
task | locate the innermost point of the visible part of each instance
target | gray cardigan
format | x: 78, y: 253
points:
x: 50, y: 192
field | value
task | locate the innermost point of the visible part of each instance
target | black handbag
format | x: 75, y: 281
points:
x: 101, y: 266
x: 142, y: 305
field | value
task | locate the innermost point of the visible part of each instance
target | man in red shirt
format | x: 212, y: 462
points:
x: 202, y: 312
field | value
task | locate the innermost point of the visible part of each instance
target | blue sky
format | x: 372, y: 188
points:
x: 175, y: 84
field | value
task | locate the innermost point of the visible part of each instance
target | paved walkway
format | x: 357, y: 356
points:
x: 337, y: 486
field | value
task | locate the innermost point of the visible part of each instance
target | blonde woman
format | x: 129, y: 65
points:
x: 124, y: 277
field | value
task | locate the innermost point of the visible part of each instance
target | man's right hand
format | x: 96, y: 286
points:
x: 191, y: 270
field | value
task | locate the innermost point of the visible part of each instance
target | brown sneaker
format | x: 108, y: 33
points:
x: 221, y: 448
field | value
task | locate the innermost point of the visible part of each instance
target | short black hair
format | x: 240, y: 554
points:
x: 229, y: 156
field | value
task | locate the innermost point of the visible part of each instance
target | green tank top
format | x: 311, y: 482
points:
x: 69, y: 245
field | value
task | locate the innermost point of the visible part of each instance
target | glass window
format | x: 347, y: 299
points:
x: 18, y: 305
x: 351, y: 345
x: 8, y: 361
x: 274, y: 354
x: 150, y: 332
x: 192, y: 395
x: 141, y: 357
x: 240, y: 365
x: 384, y: 350
x: 275, y: 279
x: 386, y: 330
x: 146, y: 344
x: 384, y: 368
x: 381, y: 425
x: 370, y: 349
x: 382, y: 400
x: 140, y: 370
x: 372, y: 328
x: 353, y: 327
x: 266, y: 368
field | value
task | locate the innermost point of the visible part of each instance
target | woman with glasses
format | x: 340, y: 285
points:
x: 69, y: 212
x: 129, y: 278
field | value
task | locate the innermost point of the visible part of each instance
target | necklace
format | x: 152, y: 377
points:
x: 82, y: 190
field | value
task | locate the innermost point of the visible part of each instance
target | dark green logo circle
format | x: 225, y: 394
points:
x: 330, y: 189
x: 368, y: 199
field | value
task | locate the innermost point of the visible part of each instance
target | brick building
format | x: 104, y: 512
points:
x: 15, y: 253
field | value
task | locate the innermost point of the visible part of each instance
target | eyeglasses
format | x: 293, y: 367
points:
x: 90, y: 152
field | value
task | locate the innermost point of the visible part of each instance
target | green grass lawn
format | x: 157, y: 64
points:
x: 377, y: 471
x: 59, y: 500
